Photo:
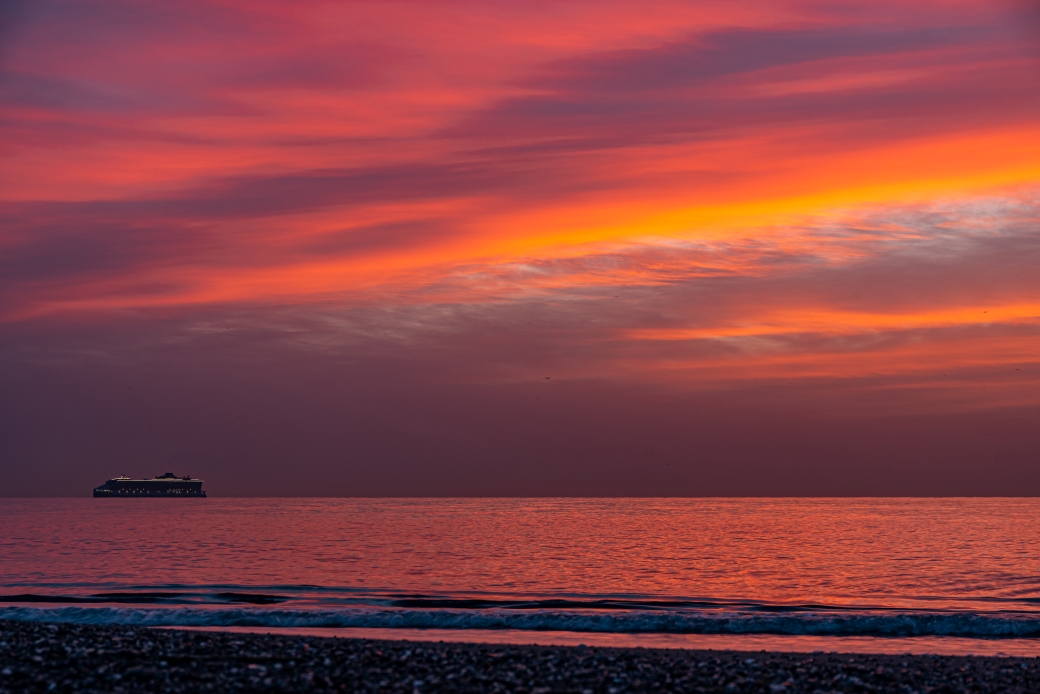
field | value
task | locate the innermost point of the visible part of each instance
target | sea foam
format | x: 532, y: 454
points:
x: 893, y: 624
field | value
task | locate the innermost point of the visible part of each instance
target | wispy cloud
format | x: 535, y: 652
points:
x: 792, y: 205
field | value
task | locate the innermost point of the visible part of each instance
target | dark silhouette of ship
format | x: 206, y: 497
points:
x: 161, y: 485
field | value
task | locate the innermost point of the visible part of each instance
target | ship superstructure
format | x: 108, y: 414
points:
x: 168, y: 484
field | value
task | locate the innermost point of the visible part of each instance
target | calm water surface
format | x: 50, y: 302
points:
x: 896, y: 568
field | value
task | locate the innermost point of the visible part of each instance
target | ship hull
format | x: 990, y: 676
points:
x: 126, y: 494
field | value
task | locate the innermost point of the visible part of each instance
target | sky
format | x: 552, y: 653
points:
x: 515, y: 249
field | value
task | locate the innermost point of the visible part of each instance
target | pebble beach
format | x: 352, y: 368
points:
x: 58, y: 657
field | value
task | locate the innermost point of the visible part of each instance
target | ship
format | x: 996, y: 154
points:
x: 169, y: 484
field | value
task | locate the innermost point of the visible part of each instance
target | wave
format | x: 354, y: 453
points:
x: 422, y: 601
x: 149, y: 598
x: 890, y: 624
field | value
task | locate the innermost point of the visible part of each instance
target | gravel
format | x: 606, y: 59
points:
x: 38, y: 657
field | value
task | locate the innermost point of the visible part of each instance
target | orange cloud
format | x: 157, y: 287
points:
x: 406, y: 156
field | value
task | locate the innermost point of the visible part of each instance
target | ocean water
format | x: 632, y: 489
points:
x: 900, y: 575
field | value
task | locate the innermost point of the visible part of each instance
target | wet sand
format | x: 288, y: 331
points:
x: 921, y: 645
x: 65, y: 658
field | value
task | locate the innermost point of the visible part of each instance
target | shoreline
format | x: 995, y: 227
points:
x: 62, y: 657
x: 754, y: 643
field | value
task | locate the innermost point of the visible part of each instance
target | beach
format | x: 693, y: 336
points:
x: 59, y: 657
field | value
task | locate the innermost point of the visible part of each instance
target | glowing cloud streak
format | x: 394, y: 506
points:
x: 412, y: 157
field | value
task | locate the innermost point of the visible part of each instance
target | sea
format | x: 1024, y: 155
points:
x: 885, y: 575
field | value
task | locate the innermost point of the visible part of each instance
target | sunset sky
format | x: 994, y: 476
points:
x: 537, y: 248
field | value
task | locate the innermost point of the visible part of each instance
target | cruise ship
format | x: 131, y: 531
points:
x: 160, y: 485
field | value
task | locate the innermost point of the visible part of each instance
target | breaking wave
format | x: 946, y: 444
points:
x: 829, y: 623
